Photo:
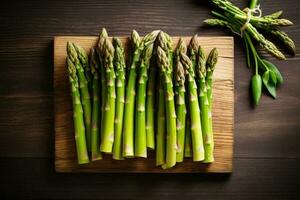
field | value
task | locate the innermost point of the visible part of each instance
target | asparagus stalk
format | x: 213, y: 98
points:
x: 206, y: 101
x: 161, y: 126
x: 179, y: 81
x: 100, y: 48
x: 110, y: 96
x: 285, y: 39
x: 95, y: 132
x: 128, y: 127
x: 84, y: 61
x: 180, y: 109
x: 79, y: 128
x: 274, y: 15
x: 210, y: 67
x: 181, y: 48
x: 196, y: 132
x: 119, y: 61
x: 253, y: 4
x: 166, y: 76
x: 140, y: 115
x: 188, y: 153
x: 84, y: 90
x: 150, y: 102
x: 205, y: 106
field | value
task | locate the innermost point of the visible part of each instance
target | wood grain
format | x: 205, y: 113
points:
x: 266, y: 139
x: 223, y: 105
x: 35, y: 178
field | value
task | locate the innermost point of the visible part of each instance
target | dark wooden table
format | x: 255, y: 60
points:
x: 267, y: 139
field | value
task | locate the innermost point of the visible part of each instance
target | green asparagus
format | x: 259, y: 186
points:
x: 110, y: 97
x: 84, y: 90
x: 100, y: 47
x: 82, y: 154
x: 196, y: 132
x: 95, y: 132
x: 248, y: 23
x: 165, y: 70
x: 205, y: 71
x: 188, y: 152
x: 150, y: 104
x: 119, y: 62
x: 140, y: 115
x: 128, y: 126
x: 161, y: 126
x: 128, y: 121
x: 180, y: 109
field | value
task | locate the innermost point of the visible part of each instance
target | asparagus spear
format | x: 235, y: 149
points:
x: 166, y: 75
x: 188, y: 138
x: 196, y: 132
x: 100, y: 46
x: 205, y: 106
x: 84, y: 90
x: 180, y: 109
x: 128, y: 127
x: 150, y: 102
x: 274, y: 15
x: 140, y: 116
x: 179, y: 82
x: 206, y: 101
x: 181, y: 48
x: 128, y: 150
x: 84, y: 61
x: 285, y: 39
x: 95, y: 133
x: 161, y: 126
x: 119, y: 61
x: 120, y: 66
x: 110, y: 96
x: 79, y: 128
x: 210, y: 67
x: 192, y: 52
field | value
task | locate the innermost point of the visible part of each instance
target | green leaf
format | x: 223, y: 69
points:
x: 273, y: 79
x: 268, y: 84
x: 274, y: 69
x: 256, y: 85
x: 266, y: 76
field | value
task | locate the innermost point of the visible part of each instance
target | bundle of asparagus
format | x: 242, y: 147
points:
x: 246, y: 25
x: 110, y: 118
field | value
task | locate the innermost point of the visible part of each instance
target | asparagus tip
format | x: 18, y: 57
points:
x: 194, y: 43
x: 135, y: 38
x: 103, y: 33
x: 181, y: 47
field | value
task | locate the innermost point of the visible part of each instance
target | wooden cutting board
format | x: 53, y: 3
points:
x: 223, y: 115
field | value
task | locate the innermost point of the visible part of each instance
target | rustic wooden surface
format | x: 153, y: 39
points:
x: 223, y: 105
x: 266, y: 149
